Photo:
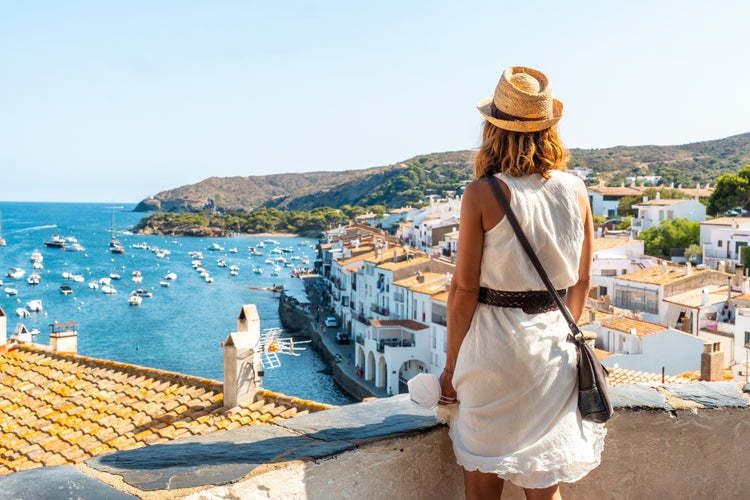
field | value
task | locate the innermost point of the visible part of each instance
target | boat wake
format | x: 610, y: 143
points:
x: 33, y: 228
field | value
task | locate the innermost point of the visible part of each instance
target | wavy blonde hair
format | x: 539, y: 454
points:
x: 519, y: 153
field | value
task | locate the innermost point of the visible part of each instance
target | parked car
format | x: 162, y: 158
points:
x: 611, y: 224
x: 343, y: 338
x: 331, y: 321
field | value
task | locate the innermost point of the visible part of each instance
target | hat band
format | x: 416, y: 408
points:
x: 501, y: 115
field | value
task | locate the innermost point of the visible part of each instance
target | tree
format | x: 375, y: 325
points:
x: 732, y: 190
x: 693, y: 253
x: 674, y: 233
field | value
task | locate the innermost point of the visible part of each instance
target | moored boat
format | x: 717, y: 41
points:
x: 135, y: 300
x: 34, y: 305
x: 55, y: 241
x: 16, y: 273
x: 66, y: 290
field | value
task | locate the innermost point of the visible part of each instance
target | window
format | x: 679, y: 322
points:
x: 609, y: 272
x: 747, y: 339
x: 637, y: 300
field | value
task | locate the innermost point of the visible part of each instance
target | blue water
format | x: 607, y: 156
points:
x: 182, y: 326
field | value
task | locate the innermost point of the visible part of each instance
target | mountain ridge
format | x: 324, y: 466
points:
x: 411, y: 180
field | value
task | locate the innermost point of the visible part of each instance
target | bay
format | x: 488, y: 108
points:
x: 181, y: 327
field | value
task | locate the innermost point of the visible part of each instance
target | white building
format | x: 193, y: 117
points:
x: 648, y: 347
x: 394, y: 350
x: 614, y: 257
x: 723, y: 239
x: 652, y: 213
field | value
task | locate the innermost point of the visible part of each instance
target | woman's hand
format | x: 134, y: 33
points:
x: 447, y: 392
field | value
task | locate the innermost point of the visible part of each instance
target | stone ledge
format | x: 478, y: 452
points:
x: 405, y: 448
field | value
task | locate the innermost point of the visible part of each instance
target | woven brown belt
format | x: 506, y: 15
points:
x: 531, y: 302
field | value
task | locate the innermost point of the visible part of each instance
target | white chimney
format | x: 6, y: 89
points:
x: 64, y: 337
x: 3, y: 328
x: 663, y: 266
x: 243, y: 370
x: 704, y: 298
x: 688, y: 269
x: 658, y: 195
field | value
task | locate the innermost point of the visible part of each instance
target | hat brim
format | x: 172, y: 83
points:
x: 485, y: 108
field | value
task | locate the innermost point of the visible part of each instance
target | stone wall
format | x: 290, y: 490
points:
x: 680, y: 454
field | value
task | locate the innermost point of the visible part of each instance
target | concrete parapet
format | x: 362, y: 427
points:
x: 663, y: 442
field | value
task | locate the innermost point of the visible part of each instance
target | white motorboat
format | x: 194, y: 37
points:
x: 55, y: 241
x: 135, y: 300
x: 105, y: 281
x: 258, y: 270
x: 10, y: 291
x: 114, y: 276
x: 75, y: 247
x: 78, y: 278
x: 215, y: 247
x: 34, y: 279
x: 170, y: 276
x: 36, y: 256
x: 221, y: 263
x: 233, y: 250
x: 109, y: 290
x: 164, y: 283
x: 137, y: 277
x: 34, y: 305
x: 94, y: 285
x: 141, y: 292
x: 37, y: 265
x: 16, y: 273
x: 23, y: 312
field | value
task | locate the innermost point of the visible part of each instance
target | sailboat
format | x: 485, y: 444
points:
x: 114, y: 243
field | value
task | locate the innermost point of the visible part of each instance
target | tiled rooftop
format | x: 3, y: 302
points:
x: 58, y: 409
x: 623, y: 324
x: 656, y: 276
x: 620, y: 376
x: 601, y: 244
x: 406, y: 323
x: 428, y: 283
x: 393, y: 266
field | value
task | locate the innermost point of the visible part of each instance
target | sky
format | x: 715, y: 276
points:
x: 114, y: 101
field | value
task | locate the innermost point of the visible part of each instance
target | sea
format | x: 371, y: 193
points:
x: 181, y: 327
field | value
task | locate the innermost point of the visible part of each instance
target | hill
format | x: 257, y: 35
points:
x: 438, y: 173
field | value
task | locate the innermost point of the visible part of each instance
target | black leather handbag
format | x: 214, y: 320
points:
x: 593, y: 400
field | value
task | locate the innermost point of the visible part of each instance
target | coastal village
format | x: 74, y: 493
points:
x: 652, y: 320
x: 375, y: 306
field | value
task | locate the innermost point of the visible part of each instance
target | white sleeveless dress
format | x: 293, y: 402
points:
x: 516, y: 374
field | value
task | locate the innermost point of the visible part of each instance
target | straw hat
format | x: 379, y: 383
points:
x: 522, y: 102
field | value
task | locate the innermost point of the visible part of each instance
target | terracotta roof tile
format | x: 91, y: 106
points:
x: 621, y: 376
x: 58, y: 409
x: 624, y: 324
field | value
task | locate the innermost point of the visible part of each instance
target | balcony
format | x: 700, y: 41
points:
x: 362, y: 319
x: 379, y: 310
x: 439, y: 319
x: 398, y: 297
x: 394, y: 342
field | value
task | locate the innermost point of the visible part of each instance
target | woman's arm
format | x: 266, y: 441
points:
x: 464, y: 287
x: 576, y: 296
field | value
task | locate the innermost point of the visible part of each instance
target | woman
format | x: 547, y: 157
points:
x: 510, y: 369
